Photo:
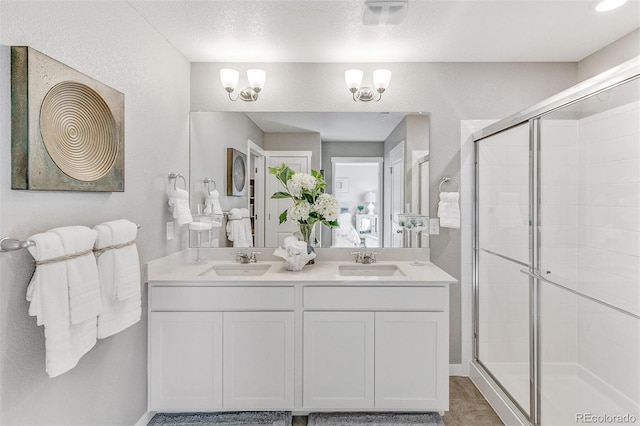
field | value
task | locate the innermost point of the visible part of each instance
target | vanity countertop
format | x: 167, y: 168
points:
x: 172, y: 269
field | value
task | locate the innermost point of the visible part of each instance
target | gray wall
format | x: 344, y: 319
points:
x: 110, y: 42
x: 211, y: 134
x: 296, y: 142
x: 616, y: 53
x: 449, y: 92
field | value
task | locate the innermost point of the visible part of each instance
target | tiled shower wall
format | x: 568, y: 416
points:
x: 590, y: 241
x: 559, y: 238
x: 609, y: 245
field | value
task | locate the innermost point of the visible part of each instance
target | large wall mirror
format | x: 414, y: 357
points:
x: 376, y: 164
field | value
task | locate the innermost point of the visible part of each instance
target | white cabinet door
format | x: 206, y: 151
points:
x: 338, y: 360
x: 258, y: 360
x: 185, y: 361
x: 412, y: 357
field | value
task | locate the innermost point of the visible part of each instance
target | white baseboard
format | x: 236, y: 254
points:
x: 145, y: 419
x: 456, y: 370
x: 495, y: 397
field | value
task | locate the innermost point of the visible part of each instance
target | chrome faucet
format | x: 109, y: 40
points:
x: 364, y: 257
x: 247, y: 256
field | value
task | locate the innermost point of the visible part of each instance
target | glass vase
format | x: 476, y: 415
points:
x: 308, y: 236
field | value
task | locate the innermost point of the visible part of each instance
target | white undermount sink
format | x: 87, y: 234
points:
x: 239, y: 269
x: 371, y: 270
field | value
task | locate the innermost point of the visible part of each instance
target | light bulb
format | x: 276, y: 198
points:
x: 381, y: 79
x: 256, y: 78
x: 353, y: 78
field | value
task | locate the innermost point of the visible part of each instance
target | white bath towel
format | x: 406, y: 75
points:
x: 449, y: 210
x: 126, y: 259
x: 179, y: 206
x: 246, y: 223
x: 82, y: 272
x: 48, y: 294
x: 237, y: 230
x: 119, y: 272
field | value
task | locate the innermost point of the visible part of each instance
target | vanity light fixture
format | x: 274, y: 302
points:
x: 353, y: 78
x: 607, y: 5
x: 229, y: 78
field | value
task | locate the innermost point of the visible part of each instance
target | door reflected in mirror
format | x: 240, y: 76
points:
x: 373, y: 163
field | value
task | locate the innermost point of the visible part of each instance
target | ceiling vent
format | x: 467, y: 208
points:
x: 381, y: 12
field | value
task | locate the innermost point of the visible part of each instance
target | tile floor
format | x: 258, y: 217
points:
x: 467, y: 406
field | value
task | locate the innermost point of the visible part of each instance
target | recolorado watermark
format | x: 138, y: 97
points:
x: 591, y: 418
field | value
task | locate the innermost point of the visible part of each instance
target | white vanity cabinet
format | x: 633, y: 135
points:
x: 302, y: 342
x: 390, y: 352
x: 221, y: 348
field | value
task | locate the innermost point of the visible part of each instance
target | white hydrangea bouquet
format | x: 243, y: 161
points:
x: 310, y: 203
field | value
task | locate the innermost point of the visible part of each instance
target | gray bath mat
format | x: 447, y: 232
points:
x: 245, y: 418
x: 375, y: 419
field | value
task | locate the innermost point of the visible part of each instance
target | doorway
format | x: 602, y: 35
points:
x: 357, y: 185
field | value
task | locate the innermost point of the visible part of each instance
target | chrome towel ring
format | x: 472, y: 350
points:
x: 174, y: 177
x: 446, y: 179
x: 207, y: 182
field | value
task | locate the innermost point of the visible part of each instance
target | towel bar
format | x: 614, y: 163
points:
x: 13, y: 244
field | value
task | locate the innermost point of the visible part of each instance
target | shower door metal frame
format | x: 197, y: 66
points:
x: 607, y: 80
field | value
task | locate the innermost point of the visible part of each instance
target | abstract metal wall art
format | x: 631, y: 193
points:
x: 236, y: 173
x: 67, y: 128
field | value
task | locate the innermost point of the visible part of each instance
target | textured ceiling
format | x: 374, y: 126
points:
x: 433, y: 31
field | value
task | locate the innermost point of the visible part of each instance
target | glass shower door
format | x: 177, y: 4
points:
x: 504, y: 249
x: 589, y: 244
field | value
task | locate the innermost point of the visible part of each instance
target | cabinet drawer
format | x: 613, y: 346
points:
x: 377, y: 298
x: 222, y: 298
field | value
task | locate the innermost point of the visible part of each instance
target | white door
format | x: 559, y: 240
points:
x: 396, y: 157
x: 258, y: 360
x: 185, y: 361
x: 412, y: 354
x: 299, y: 162
x: 338, y: 360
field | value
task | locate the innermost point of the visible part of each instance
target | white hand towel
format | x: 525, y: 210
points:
x: 449, y: 210
x: 119, y: 272
x: 127, y: 261
x: 82, y: 272
x: 237, y: 228
x: 49, y: 282
x: 246, y: 224
x: 212, y: 203
x: 48, y: 293
x: 179, y: 205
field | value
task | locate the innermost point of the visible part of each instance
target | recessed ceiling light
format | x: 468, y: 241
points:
x: 606, y: 5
